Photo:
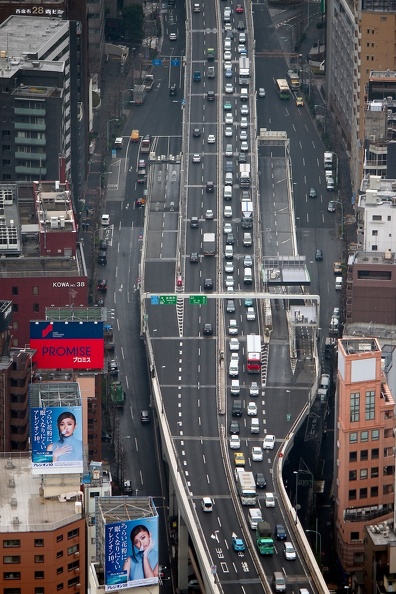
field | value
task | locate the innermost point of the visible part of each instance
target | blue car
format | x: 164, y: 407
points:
x: 248, y: 302
x: 238, y: 544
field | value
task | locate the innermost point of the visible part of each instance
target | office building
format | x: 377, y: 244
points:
x: 364, y: 462
x: 380, y: 557
x: 360, y: 38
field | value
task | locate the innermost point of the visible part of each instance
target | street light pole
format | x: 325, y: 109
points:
x: 296, y: 497
x: 316, y: 542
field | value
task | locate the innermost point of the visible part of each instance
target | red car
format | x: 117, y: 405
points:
x: 140, y: 202
x: 239, y: 8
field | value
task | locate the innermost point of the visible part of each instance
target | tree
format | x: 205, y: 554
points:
x: 133, y: 19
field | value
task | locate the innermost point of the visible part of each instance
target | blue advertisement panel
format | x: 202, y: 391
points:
x: 56, y: 436
x: 67, y: 345
x: 131, y: 550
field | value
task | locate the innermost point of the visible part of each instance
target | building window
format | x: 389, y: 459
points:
x: 11, y: 559
x: 36, y: 307
x: 39, y: 575
x: 14, y: 290
x: 354, y: 407
x: 59, y: 554
x: 35, y: 290
x: 39, y: 590
x: 374, y: 248
x: 375, y: 434
x: 353, y: 437
x: 59, y: 570
x: 352, y: 456
x: 39, y: 542
x: 374, y: 492
x: 374, y: 233
x: 59, y: 587
x: 389, y: 218
x: 370, y: 405
x: 73, y: 581
x: 354, y: 535
x: 352, y: 494
x: 59, y: 538
x: 374, y: 472
x: 352, y: 475
x: 39, y: 558
x: 73, y: 549
x: 388, y: 470
x: 12, y: 591
x: 377, y: 218
x: 73, y: 533
x: 12, y: 575
x: 364, y: 435
x: 13, y: 543
x: 363, y: 493
x: 364, y: 455
x: 363, y: 473
x: 374, y: 454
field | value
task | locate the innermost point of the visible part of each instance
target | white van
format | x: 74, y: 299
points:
x: 235, y: 387
x: 255, y: 425
x: 206, y: 504
x: 325, y: 381
x: 227, y: 193
x: 244, y: 94
x: 254, y: 517
x: 330, y: 184
x: 247, y: 276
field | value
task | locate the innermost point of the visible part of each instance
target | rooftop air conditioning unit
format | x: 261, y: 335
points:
x: 372, y: 137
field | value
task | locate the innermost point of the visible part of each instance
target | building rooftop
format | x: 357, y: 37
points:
x: 55, y: 394
x: 362, y: 257
x: 25, y: 40
x: 359, y: 346
x: 377, y: 191
x: 381, y: 534
x: 23, y: 507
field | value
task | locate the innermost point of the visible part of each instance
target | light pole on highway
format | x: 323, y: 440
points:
x: 295, y: 472
x: 316, y: 542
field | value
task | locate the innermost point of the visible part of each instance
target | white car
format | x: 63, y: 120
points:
x: 269, y: 500
x: 229, y: 267
x: 228, y: 73
x: 234, y: 344
x: 229, y: 120
x: 241, y: 49
x: 228, y: 131
x: 234, y: 357
x: 227, y: 212
x: 207, y: 504
x: 247, y: 261
x: 261, y: 92
x: 244, y: 110
x: 257, y: 454
x: 229, y: 88
x: 211, y: 139
x: 243, y: 135
x: 105, y: 220
x: 229, y: 281
x: 289, y: 552
x: 244, y: 146
x: 227, y: 55
x: 232, y: 328
x: 244, y: 122
x: 269, y: 442
x: 250, y: 314
x: 196, y: 158
x: 254, y: 390
x: 209, y: 214
x: 227, y: 65
x: 235, y: 442
x: 252, y: 410
x: 227, y: 228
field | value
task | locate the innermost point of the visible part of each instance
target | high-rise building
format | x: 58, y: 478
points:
x: 361, y: 36
x: 364, y: 461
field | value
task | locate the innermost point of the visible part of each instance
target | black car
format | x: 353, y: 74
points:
x: 194, y: 223
x: 209, y: 187
x: 234, y: 427
x: 280, y: 532
x: 261, y: 483
x: 230, y: 306
x: 103, y: 245
x: 173, y: 90
x: 208, y: 284
x: 237, y: 408
x: 102, y: 285
x: 318, y: 255
x: 102, y: 257
x: 197, y: 132
x: 241, y: 26
x: 242, y: 158
x: 194, y: 258
x: 210, y: 96
x: 230, y: 239
x: 207, y: 329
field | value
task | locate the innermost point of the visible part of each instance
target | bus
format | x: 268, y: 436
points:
x: 253, y: 353
x: 244, y: 71
x: 294, y: 80
x: 283, y: 88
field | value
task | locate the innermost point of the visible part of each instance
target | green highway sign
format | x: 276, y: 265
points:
x: 168, y: 299
x: 198, y: 299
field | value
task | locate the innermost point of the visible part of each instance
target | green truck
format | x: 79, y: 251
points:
x: 117, y: 394
x: 264, y: 541
x: 210, y: 54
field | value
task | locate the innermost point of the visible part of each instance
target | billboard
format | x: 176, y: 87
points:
x: 56, y: 438
x: 131, y: 554
x: 67, y: 345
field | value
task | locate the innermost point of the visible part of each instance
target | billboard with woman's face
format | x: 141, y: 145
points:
x: 56, y: 437
x: 131, y: 550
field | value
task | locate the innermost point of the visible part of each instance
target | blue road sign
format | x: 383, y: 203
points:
x: 175, y: 62
x: 183, y: 101
x: 155, y: 300
x: 156, y: 62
